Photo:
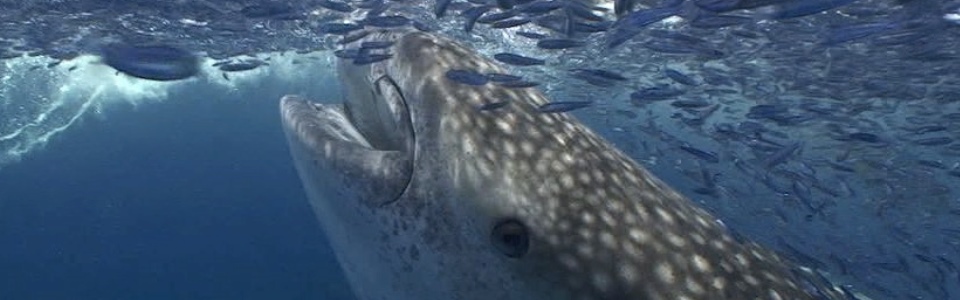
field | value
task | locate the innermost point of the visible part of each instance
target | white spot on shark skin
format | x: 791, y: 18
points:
x: 639, y: 236
x: 676, y: 240
x: 608, y: 219
x: 608, y: 240
x: 700, y: 263
x: 741, y: 260
x: 566, y: 181
x: 749, y: 279
x: 775, y: 296
x: 718, y: 284
x: 694, y: 287
x: 665, y: 216
x: 665, y: 273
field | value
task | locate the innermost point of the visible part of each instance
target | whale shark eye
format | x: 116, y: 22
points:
x: 511, y: 237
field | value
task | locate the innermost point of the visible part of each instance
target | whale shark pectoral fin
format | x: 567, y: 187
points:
x: 336, y: 161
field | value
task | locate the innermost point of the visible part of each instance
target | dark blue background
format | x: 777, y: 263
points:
x: 184, y: 199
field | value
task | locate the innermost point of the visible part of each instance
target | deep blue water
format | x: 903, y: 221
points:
x: 191, y: 198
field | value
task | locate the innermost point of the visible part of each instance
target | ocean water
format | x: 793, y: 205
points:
x: 191, y: 196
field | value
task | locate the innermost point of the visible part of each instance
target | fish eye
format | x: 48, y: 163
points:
x: 511, y: 238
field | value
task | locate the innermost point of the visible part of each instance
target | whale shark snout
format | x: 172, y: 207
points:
x: 423, y: 196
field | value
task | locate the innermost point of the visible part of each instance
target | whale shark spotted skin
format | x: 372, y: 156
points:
x: 424, y: 196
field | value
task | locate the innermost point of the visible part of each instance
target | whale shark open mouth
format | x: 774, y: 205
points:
x: 380, y: 120
x: 367, y: 140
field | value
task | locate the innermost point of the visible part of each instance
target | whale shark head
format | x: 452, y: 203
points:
x: 424, y: 196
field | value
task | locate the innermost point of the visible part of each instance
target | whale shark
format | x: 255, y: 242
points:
x: 422, y: 195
